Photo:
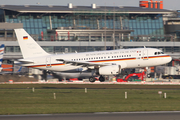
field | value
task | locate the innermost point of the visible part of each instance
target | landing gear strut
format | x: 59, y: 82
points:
x: 44, y: 75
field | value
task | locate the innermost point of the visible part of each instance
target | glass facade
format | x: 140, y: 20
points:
x: 2, y: 16
x: 71, y: 49
x: 146, y: 27
x: 35, y: 23
x: 60, y: 49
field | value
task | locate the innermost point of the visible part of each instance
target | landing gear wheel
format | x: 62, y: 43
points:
x: 101, y: 79
x: 92, y: 79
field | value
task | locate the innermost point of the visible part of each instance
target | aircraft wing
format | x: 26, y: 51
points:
x: 81, y: 63
x: 24, y: 61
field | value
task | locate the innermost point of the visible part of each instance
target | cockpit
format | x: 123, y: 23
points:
x: 158, y: 53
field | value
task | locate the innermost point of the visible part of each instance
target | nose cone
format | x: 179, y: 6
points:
x: 168, y: 59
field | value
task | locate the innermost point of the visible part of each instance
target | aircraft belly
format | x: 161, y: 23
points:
x: 75, y: 74
x: 64, y: 67
x: 53, y: 67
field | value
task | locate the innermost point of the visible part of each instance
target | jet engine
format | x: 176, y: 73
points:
x: 110, y: 70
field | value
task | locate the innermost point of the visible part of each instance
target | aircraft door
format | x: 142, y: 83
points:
x: 145, y: 55
x: 138, y: 58
x: 48, y: 62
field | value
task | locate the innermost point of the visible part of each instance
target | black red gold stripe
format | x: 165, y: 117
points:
x: 97, y: 61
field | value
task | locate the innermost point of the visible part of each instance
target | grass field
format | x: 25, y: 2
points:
x: 19, y: 99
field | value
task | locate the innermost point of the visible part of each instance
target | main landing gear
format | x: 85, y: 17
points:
x: 93, y: 79
x: 101, y: 78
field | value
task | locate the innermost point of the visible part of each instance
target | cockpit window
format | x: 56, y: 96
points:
x: 157, y: 53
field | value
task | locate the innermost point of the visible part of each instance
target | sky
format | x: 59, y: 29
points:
x: 168, y: 4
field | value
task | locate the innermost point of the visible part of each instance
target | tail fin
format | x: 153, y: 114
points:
x: 1, y: 51
x: 1, y: 55
x: 19, y: 69
x: 28, y: 45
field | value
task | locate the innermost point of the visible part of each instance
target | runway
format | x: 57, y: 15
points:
x: 160, y: 115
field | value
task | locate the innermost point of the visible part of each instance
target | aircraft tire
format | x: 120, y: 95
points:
x: 92, y: 79
x: 101, y: 79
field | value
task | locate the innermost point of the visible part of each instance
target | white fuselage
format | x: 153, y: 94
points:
x: 127, y: 58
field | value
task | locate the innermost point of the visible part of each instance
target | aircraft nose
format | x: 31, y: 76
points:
x: 169, y: 59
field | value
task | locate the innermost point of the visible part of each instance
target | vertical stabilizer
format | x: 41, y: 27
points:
x: 1, y: 55
x: 28, y: 45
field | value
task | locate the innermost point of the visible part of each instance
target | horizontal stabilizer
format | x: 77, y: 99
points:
x: 25, y: 61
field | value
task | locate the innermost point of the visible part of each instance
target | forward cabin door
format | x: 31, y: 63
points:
x: 138, y: 58
x: 145, y: 54
x: 48, y: 62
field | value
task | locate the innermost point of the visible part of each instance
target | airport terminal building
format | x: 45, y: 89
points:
x: 63, y: 29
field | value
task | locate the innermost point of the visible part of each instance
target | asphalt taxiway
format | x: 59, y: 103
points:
x: 156, y: 115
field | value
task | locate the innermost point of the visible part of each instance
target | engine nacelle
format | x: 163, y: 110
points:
x: 110, y: 70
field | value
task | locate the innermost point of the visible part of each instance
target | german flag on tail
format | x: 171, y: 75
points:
x: 25, y: 37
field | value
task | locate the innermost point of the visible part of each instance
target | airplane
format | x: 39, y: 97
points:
x: 99, y: 62
x: 1, y: 55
